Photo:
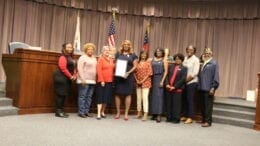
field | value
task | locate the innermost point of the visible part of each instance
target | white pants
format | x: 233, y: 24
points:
x: 142, y: 96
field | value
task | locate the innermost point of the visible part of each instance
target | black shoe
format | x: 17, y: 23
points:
x: 103, y: 116
x: 82, y: 116
x: 98, y: 118
x: 175, y: 121
x: 89, y: 115
x: 168, y: 120
x: 153, y: 117
x: 58, y: 115
x: 61, y: 115
x: 65, y: 115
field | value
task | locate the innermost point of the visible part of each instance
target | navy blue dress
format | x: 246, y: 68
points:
x: 125, y: 86
x: 157, y: 92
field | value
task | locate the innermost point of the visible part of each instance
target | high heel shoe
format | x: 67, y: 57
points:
x: 117, y: 117
x: 183, y: 119
x: 188, y: 121
x: 126, y: 118
x: 138, y: 115
x: 205, y: 124
x: 145, y: 116
x: 103, y: 116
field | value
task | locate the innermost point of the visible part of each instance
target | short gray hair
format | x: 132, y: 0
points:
x: 104, y: 48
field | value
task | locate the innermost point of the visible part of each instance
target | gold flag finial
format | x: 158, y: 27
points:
x: 114, y: 11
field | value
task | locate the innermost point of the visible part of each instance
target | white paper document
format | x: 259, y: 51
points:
x: 121, y: 66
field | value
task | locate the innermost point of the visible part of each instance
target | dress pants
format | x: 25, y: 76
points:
x: 174, y: 106
x: 188, y: 100
x: 142, y: 97
x: 60, y: 99
x: 206, y: 106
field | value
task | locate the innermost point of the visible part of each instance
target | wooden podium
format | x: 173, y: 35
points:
x: 29, y: 81
x: 257, y: 112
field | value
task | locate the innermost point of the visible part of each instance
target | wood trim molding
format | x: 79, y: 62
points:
x: 257, y: 112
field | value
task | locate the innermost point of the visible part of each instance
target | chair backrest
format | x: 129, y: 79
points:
x: 14, y: 45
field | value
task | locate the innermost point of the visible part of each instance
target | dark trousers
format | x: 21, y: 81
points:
x: 60, y: 99
x: 173, y: 106
x: 206, y: 106
x: 188, y: 100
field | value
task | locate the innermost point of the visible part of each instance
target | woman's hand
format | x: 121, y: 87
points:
x: 127, y: 74
x: 102, y: 84
x: 139, y: 83
x: 189, y: 78
x: 73, y: 78
x: 212, y: 91
x: 161, y: 84
x: 84, y: 83
x: 169, y: 87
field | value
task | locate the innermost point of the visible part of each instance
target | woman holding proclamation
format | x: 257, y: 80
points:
x: 125, y: 84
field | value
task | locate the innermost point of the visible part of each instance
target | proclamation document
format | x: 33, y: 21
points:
x: 121, y: 66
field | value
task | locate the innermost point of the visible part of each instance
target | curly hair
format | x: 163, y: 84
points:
x: 88, y: 45
x: 131, y: 50
x: 179, y: 55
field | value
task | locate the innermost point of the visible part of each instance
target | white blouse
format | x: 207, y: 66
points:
x: 193, y: 65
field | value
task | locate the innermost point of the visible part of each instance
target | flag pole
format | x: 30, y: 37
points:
x: 111, y: 33
x: 148, y: 28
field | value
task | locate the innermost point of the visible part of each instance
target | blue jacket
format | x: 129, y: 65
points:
x: 209, y: 76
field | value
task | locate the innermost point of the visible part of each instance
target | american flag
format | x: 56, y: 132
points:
x: 111, y: 34
x: 146, y: 41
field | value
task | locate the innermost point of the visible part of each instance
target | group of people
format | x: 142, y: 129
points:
x: 160, y: 85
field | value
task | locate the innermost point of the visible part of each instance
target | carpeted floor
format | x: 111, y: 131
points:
x: 47, y: 130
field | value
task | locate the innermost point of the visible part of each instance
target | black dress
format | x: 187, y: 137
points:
x: 62, y: 84
x: 125, y: 86
x: 104, y: 93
